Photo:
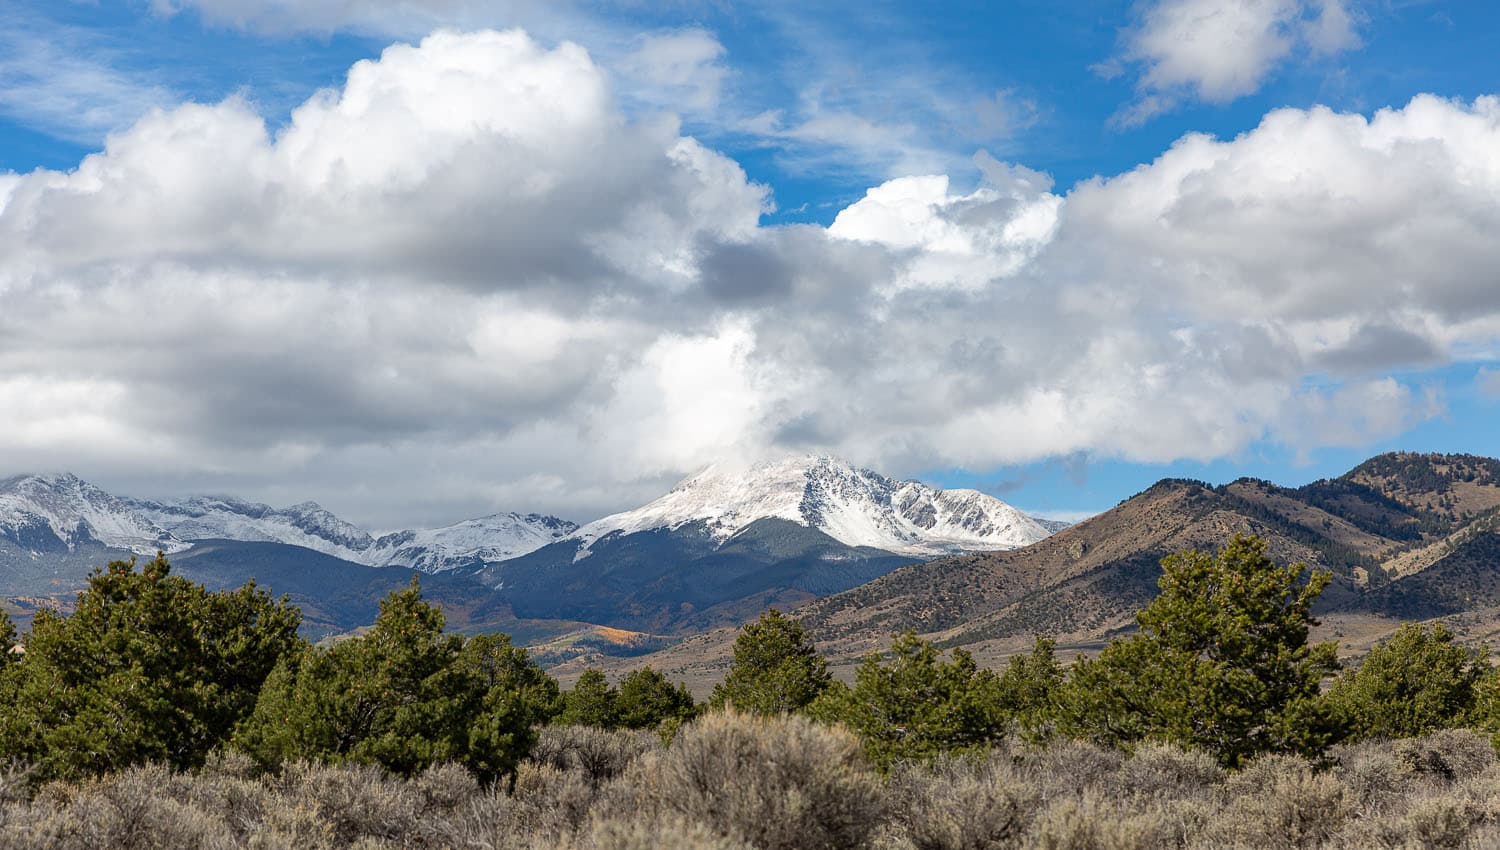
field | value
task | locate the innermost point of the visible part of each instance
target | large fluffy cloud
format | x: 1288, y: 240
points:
x: 465, y: 240
x: 480, y: 159
x: 1342, y: 230
x: 866, y: 106
x: 467, y: 281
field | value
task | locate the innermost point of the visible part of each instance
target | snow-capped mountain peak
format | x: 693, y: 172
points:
x: 227, y: 518
x: 854, y: 506
x: 475, y: 541
x: 62, y: 509
x: 724, y: 496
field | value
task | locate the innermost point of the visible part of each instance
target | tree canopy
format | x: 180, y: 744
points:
x: 1411, y: 683
x: 151, y: 667
x: 648, y: 699
x: 404, y: 696
x: 591, y: 702
x: 916, y: 705
x: 1222, y: 662
x: 7, y: 640
x: 776, y: 668
x: 1028, y: 690
x: 148, y: 667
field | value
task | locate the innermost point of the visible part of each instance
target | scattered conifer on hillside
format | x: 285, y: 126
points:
x: 776, y: 668
x: 1222, y: 662
x: 404, y: 696
x: 1412, y: 683
x: 592, y: 702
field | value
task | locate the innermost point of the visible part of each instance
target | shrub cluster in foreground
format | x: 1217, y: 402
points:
x: 735, y: 782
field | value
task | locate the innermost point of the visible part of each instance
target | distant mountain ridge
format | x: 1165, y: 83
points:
x: 730, y: 540
x: 466, y: 544
x: 854, y: 506
x: 1406, y: 537
x: 55, y: 528
x: 717, y: 548
x: 47, y: 512
x: 44, y: 512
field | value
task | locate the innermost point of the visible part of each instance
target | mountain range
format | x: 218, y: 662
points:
x: 858, y: 556
x: 1405, y: 537
x: 717, y: 548
x: 45, y: 512
x: 470, y: 543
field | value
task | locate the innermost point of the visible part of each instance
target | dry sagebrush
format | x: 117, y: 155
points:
x: 779, y: 784
x: 730, y: 782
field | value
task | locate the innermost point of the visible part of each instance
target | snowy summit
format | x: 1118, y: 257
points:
x: 852, y: 505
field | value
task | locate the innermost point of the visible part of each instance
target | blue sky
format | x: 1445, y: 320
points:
x: 1046, y: 54
x: 783, y: 312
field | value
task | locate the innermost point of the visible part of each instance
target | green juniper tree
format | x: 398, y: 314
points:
x: 1027, y: 691
x: 776, y: 668
x: 503, y: 696
x: 917, y: 705
x: 404, y: 696
x: 1414, y: 682
x: 7, y: 641
x: 647, y: 700
x: 148, y: 667
x: 591, y: 702
x: 1222, y: 662
x: 1485, y: 714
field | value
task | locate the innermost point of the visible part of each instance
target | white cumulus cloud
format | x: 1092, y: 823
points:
x: 1220, y: 50
x: 467, y: 280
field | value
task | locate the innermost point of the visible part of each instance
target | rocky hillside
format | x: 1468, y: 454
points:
x: 1403, y: 534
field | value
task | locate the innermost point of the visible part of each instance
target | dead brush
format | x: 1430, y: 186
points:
x: 960, y: 803
x: 1280, y: 801
x: 776, y: 783
x: 600, y: 754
